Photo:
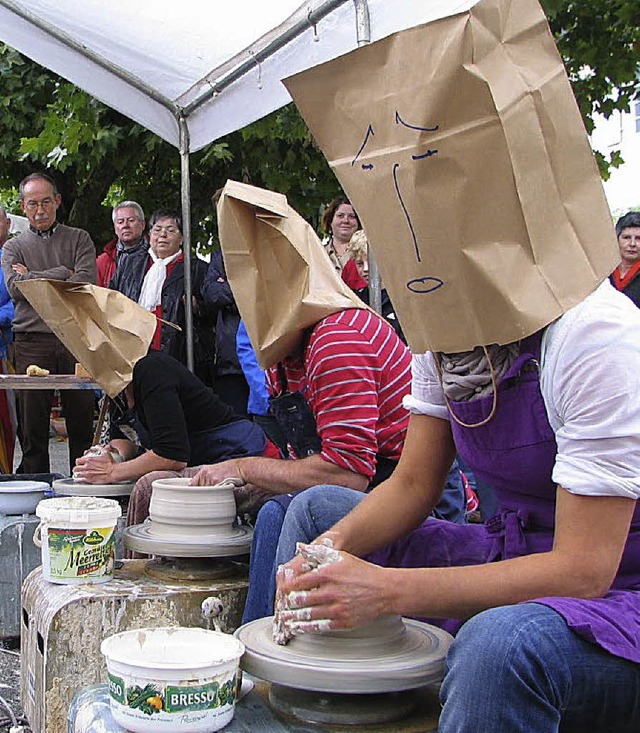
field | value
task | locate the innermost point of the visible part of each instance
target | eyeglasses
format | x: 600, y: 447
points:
x: 157, y: 229
x: 35, y: 205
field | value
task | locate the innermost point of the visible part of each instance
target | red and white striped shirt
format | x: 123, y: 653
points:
x: 354, y: 374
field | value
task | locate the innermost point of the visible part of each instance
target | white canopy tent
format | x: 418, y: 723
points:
x: 194, y: 70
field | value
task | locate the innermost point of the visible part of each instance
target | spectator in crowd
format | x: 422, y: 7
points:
x: 230, y: 382
x: 356, y: 275
x: 258, y: 403
x: 166, y: 420
x: 6, y: 304
x: 626, y: 276
x: 56, y: 252
x: 339, y: 223
x: 7, y: 401
x: 156, y: 282
x: 130, y: 240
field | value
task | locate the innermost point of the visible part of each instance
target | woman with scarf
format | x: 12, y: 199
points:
x: 544, y: 597
x: 155, y: 280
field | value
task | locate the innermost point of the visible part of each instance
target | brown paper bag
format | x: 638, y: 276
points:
x: 461, y: 146
x: 105, y: 331
x: 281, y: 277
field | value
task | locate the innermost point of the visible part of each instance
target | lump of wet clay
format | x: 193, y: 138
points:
x: 316, y: 555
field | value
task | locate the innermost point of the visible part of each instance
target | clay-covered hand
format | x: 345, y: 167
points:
x: 300, y: 562
x: 337, y: 595
x: 215, y: 473
x: 95, y: 468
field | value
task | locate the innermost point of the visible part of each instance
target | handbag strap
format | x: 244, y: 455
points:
x: 282, y: 376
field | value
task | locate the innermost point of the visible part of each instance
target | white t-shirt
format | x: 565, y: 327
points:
x: 590, y: 383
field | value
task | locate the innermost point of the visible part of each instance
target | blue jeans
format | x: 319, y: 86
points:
x: 275, y: 537
x: 262, y: 578
x: 311, y: 514
x: 269, y: 529
x: 520, y: 669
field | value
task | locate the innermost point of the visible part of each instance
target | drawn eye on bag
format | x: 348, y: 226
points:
x: 427, y: 283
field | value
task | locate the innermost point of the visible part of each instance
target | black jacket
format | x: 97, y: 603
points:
x: 631, y: 290
x: 217, y: 294
x: 128, y: 280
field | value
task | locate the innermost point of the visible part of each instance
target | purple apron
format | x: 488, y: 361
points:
x: 515, y: 453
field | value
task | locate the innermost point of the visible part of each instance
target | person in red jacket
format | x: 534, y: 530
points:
x: 129, y: 225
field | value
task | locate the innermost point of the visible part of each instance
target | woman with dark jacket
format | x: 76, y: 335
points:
x: 165, y: 420
x: 155, y: 280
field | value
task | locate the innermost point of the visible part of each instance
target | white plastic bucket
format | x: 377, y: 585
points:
x: 77, y: 538
x: 172, y: 680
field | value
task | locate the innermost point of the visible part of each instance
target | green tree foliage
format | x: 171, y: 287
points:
x: 98, y: 156
x: 599, y: 41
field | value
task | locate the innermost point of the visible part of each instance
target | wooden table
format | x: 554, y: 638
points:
x: 51, y: 381
x: 57, y: 381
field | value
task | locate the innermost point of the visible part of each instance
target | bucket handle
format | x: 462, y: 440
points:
x: 37, y: 536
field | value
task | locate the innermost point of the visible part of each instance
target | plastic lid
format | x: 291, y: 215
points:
x: 78, y: 509
x: 22, y: 487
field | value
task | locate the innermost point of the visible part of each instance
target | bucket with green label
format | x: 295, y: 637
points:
x: 172, y: 680
x: 77, y: 536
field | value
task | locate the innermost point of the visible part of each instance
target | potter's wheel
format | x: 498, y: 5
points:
x: 193, y: 569
x: 390, y: 655
x: 69, y: 487
x: 140, y: 538
x: 190, y: 521
x: 340, y: 709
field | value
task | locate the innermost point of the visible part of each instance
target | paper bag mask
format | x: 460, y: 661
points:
x: 281, y: 277
x: 461, y: 146
x: 105, y: 331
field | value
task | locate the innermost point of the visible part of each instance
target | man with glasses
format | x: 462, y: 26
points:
x: 52, y: 251
x: 130, y: 240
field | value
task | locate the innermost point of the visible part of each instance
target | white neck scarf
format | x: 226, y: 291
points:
x: 151, y: 292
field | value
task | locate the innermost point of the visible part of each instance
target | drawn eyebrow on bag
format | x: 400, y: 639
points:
x: 428, y: 154
x: 370, y: 133
x: 400, y: 121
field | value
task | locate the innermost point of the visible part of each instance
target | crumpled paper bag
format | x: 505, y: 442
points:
x: 281, y: 277
x: 105, y: 331
x: 461, y: 146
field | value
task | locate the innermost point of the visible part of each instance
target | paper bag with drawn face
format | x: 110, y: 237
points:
x: 105, y: 331
x: 461, y: 147
x: 282, y: 279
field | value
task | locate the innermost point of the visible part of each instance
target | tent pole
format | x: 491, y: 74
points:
x: 244, y: 62
x: 185, y: 188
x: 363, y: 31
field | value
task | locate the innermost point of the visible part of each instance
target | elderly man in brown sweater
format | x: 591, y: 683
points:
x: 52, y: 251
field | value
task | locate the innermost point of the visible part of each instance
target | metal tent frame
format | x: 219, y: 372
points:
x: 180, y: 98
